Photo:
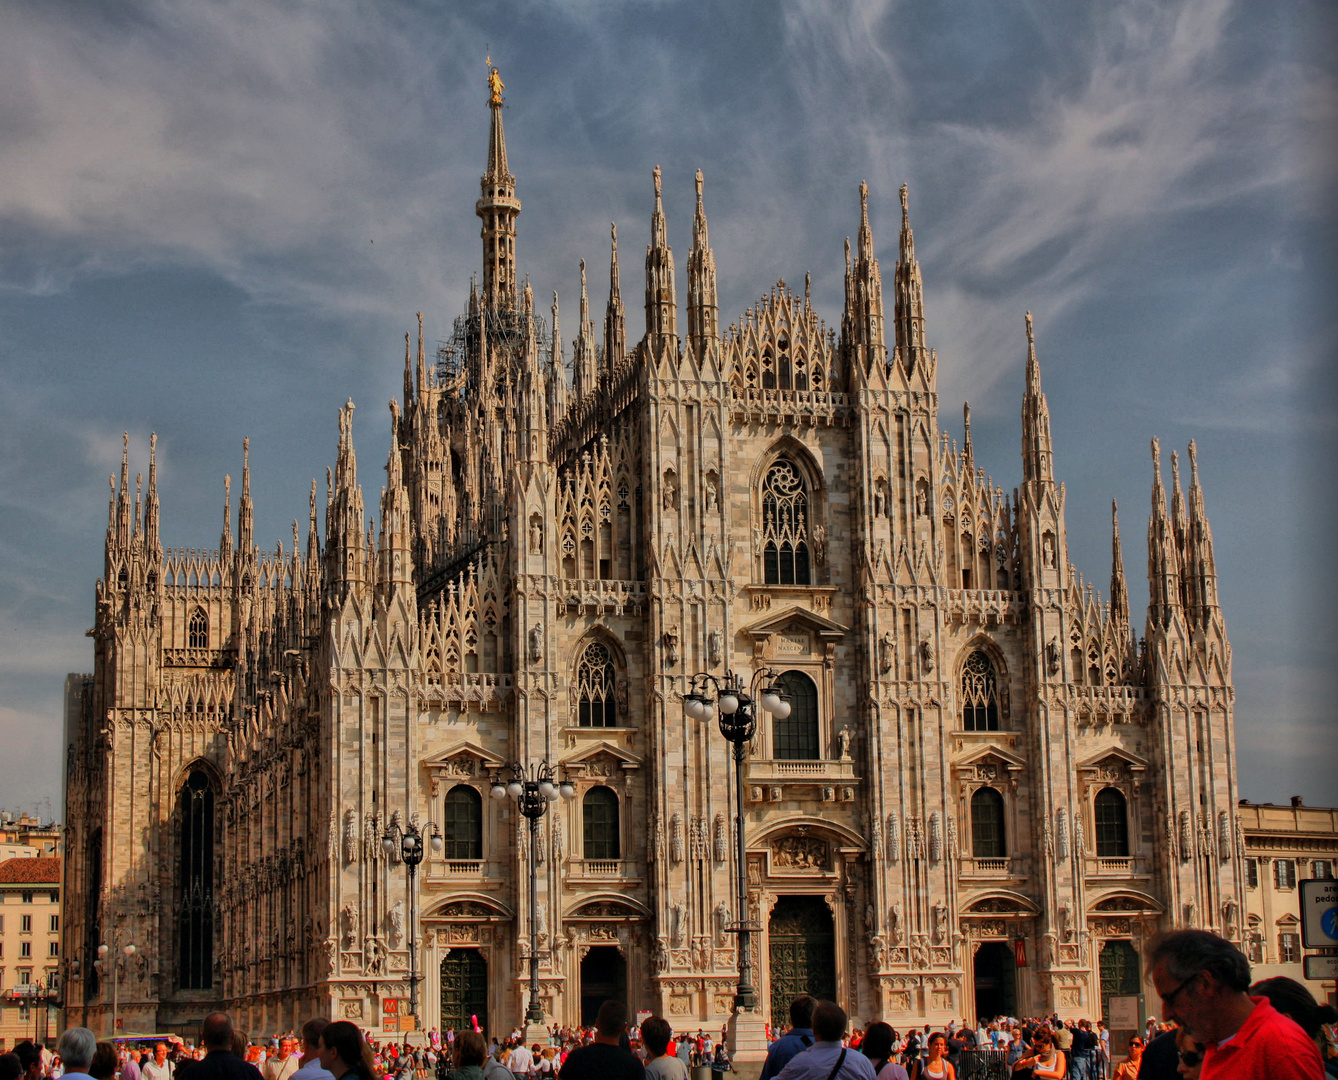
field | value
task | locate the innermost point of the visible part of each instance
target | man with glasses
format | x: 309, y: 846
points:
x: 1203, y: 982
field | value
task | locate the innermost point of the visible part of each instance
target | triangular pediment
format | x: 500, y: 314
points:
x: 978, y: 755
x: 795, y: 616
x: 463, y: 758
x: 1114, y: 757
x: 602, y: 751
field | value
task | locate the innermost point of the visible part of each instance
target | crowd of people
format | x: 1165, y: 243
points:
x: 1216, y: 1025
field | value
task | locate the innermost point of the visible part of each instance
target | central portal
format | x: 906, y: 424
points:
x: 603, y: 978
x: 464, y: 990
x: 996, y: 981
x: 803, y: 954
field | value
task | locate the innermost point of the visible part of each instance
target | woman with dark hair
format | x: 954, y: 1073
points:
x: 105, y: 1062
x: 878, y: 1046
x: 344, y: 1052
x: 1293, y: 1000
x: 470, y: 1052
x: 936, y: 1066
x: 1045, y: 1061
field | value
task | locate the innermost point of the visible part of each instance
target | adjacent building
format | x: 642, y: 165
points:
x: 988, y: 792
x: 1284, y: 845
x: 30, y: 957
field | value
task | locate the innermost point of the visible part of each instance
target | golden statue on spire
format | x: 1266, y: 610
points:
x: 495, y: 84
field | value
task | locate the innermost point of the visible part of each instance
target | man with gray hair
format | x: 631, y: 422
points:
x: 76, y: 1048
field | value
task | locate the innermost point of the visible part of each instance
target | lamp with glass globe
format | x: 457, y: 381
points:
x: 738, y: 723
x: 533, y: 789
x: 127, y: 948
x: 408, y: 842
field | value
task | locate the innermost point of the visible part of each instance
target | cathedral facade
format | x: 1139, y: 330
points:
x: 988, y: 793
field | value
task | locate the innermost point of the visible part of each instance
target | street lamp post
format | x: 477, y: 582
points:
x: 738, y: 722
x: 104, y: 951
x: 409, y: 843
x: 533, y: 789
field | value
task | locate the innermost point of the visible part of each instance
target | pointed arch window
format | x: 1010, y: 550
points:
x: 195, y: 883
x: 785, y: 518
x: 987, y: 824
x: 596, y: 682
x: 600, y: 832
x: 462, y: 823
x: 796, y: 738
x: 980, y: 694
x: 1112, y: 824
x: 198, y: 630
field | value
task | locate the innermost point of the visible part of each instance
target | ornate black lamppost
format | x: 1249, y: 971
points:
x: 409, y: 843
x: 107, y: 958
x: 738, y: 722
x: 533, y: 789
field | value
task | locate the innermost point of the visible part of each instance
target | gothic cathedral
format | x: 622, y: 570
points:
x: 987, y: 794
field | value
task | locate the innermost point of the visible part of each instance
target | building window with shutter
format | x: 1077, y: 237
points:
x: 1252, y: 873
x: 1289, y: 949
x: 1284, y: 874
x: 1112, y: 824
x: 1322, y: 868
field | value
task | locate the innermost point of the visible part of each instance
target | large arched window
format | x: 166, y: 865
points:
x: 462, y: 823
x: 785, y: 521
x: 987, y: 824
x: 198, y: 633
x: 601, y: 833
x: 796, y: 737
x: 980, y: 694
x: 195, y: 883
x: 596, y: 679
x: 1112, y: 825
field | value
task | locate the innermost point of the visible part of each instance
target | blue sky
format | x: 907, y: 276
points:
x: 217, y: 219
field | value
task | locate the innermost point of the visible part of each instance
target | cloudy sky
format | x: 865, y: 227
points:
x: 218, y: 217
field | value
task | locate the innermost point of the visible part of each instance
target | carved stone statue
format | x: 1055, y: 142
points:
x: 719, y: 840
x: 395, y: 924
x: 843, y: 738
x: 1048, y: 552
x: 894, y: 924
x: 820, y: 545
x: 671, y: 647
x: 677, y: 917
x: 940, y: 921
x: 927, y: 656
x: 350, y: 837
x: 536, y: 643
x: 721, y: 923
x: 711, y: 495
x: 1066, y: 927
x: 536, y: 538
x: 887, y: 653
x: 676, y: 837
x: 715, y: 647
x: 348, y: 924
x: 1052, y: 657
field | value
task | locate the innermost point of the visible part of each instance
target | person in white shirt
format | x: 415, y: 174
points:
x: 309, y: 1065
x: 521, y: 1060
x: 159, y: 1068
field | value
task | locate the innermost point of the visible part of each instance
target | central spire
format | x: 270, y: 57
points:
x: 498, y: 207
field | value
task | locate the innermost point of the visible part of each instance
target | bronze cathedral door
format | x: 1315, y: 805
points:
x: 803, y: 954
x: 464, y: 990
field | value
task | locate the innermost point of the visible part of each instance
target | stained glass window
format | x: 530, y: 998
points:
x: 785, y: 526
x: 980, y: 694
x: 596, y: 679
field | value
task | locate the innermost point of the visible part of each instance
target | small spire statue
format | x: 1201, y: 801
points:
x: 495, y: 84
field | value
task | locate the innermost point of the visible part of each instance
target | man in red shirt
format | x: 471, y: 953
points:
x: 1202, y: 981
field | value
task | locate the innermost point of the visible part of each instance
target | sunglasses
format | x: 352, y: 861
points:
x: 1169, y: 999
x: 1191, y: 1057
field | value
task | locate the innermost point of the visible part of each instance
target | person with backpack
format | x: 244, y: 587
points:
x: 798, y: 1039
